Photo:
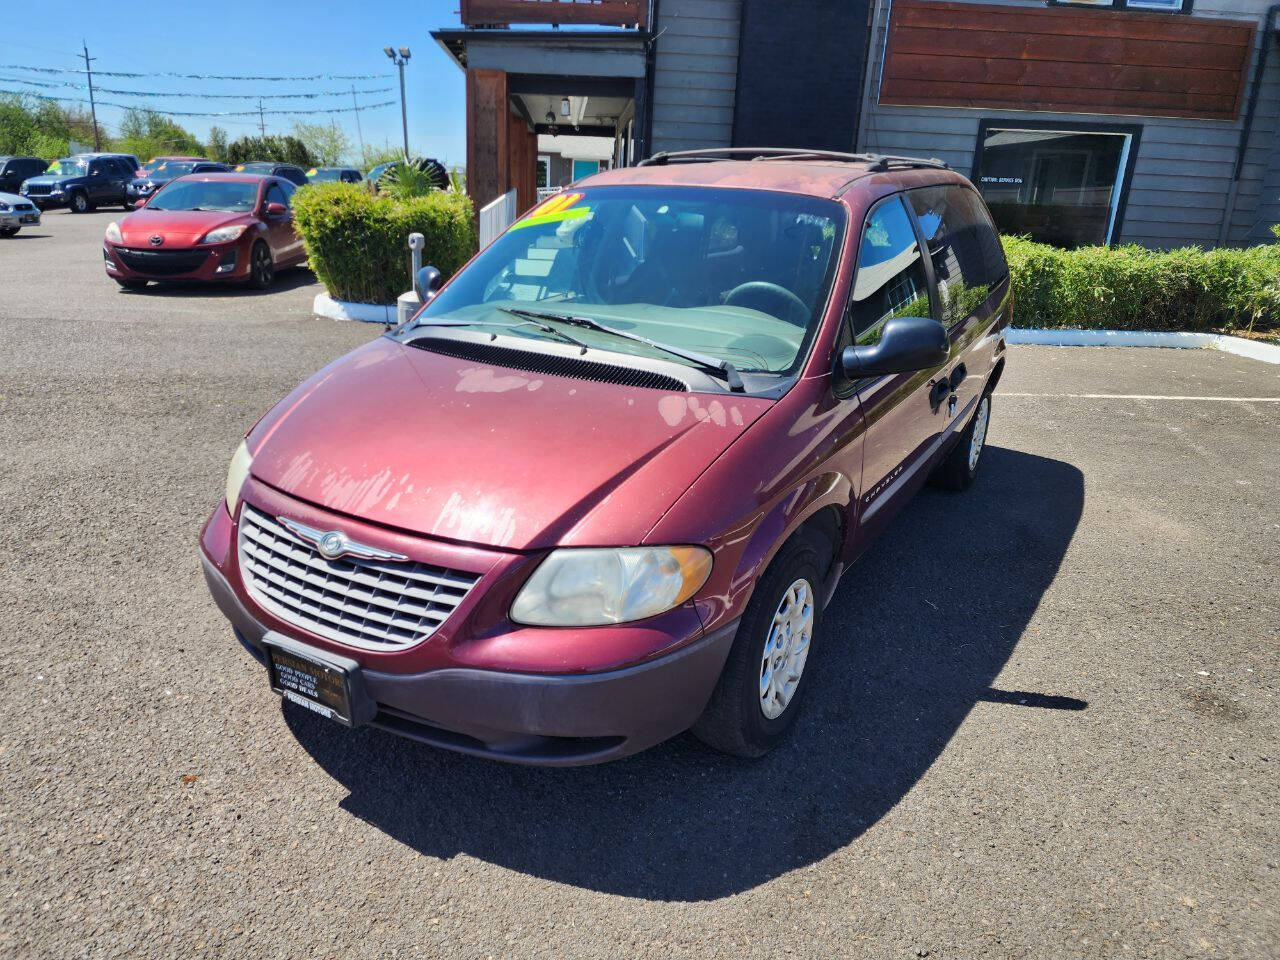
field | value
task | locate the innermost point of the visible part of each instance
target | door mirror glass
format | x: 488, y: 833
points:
x: 907, y: 344
x: 427, y: 283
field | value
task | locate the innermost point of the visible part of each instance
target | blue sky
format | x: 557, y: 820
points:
x: 252, y: 38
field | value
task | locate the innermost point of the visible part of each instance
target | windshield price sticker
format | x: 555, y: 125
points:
x: 554, y: 210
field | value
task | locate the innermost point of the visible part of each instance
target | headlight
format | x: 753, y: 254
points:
x: 113, y: 232
x: 5, y: 207
x: 223, y: 234
x: 55, y: 189
x: 237, y: 473
x: 590, y: 586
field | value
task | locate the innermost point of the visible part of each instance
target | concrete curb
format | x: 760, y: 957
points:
x: 325, y: 306
x: 1266, y: 352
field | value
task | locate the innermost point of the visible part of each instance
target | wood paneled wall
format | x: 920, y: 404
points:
x: 1063, y: 59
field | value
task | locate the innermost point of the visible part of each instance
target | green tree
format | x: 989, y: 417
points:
x: 147, y: 134
x: 326, y: 142
x: 287, y: 149
x: 217, y: 144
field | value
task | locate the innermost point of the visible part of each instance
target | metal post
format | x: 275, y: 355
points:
x: 262, y: 123
x: 404, y: 113
x: 93, y: 107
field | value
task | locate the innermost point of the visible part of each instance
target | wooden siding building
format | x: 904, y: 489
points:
x: 1096, y: 121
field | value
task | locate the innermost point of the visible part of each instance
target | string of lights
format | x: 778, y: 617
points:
x: 191, y: 113
x: 57, y: 84
x: 197, y: 76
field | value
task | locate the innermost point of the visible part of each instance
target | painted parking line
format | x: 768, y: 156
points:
x: 1137, y: 396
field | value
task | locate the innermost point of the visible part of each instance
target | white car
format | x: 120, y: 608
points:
x: 15, y: 213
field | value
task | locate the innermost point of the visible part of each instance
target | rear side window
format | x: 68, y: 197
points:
x: 890, y: 281
x: 963, y: 245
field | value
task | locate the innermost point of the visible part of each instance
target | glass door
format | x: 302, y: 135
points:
x: 1059, y: 185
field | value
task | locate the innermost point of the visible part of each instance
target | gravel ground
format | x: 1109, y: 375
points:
x: 1044, y: 722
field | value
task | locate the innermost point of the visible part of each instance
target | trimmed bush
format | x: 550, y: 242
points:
x: 1133, y: 288
x: 357, y: 241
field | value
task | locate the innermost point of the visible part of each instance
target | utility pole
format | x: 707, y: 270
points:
x: 262, y: 123
x: 400, y: 61
x: 359, y: 132
x: 93, y: 107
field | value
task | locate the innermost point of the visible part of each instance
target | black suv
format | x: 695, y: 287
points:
x: 14, y: 170
x: 294, y: 174
x: 83, y: 182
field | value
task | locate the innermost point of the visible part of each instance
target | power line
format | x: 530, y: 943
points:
x: 197, y: 113
x: 201, y: 76
x: 56, y: 84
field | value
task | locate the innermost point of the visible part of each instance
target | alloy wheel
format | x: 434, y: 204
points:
x: 263, y: 268
x: 786, y: 649
x: 979, y: 436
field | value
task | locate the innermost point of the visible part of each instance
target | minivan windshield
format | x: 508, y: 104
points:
x: 224, y: 195
x: 737, y: 275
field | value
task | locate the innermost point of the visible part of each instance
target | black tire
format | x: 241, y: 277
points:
x: 959, y: 469
x: 133, y: 284
x: 262, y: 269
x: 8, y: 231
x: 734, y: 721
x: 79, y: 202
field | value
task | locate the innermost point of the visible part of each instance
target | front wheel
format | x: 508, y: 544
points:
x: 961, y: 466
x: 262, y: 269
x: 760, y: 691
x: 80, y: 203
x: 8, y: 231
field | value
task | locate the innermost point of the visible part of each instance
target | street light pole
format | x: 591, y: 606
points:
x: 400, y: 61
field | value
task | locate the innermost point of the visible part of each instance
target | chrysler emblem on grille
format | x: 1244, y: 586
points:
x: 156, y: 240
x: 332, y: 544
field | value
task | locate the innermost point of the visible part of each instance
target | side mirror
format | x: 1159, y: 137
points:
x: 906, y: 344
x: 140, y: 203
x: 276, y: 209
x: 428, y: 283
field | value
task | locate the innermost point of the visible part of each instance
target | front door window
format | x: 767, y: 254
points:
x: 1059, y: 186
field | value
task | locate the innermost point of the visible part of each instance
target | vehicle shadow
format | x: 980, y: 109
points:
x: 290, y: 278
x: 917, y: 632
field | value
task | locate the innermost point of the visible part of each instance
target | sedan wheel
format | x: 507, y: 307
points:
x: 262, y: 269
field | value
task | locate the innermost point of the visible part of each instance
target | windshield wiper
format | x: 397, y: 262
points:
x: 505, y: 326
x: 711, y: 364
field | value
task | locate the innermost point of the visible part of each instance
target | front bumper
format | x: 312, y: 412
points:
x: 14, y: 218
x: 544, y: 719
x: 49, y: 201
x: 214, y: 261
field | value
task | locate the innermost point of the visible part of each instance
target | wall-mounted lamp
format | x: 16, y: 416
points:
x: 564, y: 107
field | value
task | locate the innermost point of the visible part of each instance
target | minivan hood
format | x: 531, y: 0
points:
x: 469, y: 452
x: 176, y: 226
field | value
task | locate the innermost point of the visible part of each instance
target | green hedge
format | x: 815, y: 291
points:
x: 1132, y: 288
x: 357, y: 241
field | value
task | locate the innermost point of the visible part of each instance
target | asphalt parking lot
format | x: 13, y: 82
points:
x: 1044, y: 725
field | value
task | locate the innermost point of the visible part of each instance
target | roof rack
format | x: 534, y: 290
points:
x: 878, y: 162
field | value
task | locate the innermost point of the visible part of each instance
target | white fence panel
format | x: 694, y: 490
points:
x: 496, y: 216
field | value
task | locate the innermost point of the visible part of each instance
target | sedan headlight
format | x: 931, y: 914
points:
x: 592, y: 586
x: 237, y: 473
x: 223, y: 234
x: 113, y: 232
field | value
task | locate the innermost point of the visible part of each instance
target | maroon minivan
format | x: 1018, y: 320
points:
x: 600, y: 489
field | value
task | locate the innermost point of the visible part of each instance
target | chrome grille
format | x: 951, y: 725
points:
x: 373, y: 604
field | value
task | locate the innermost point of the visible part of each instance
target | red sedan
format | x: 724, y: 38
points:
x: 216, y: 226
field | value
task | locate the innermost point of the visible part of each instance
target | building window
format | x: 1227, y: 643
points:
x: 1160, y: 6
x: 1059, y: 183
x: 543, y: 175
